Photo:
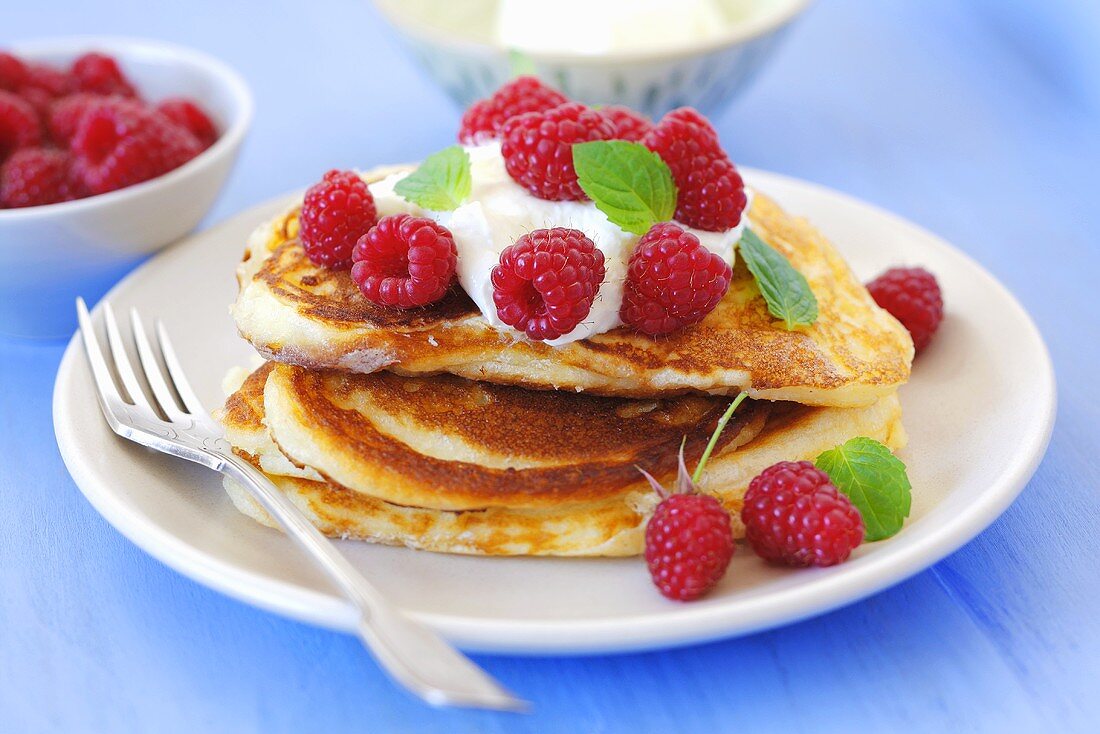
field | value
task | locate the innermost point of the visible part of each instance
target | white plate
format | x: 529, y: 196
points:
x: 979, y: 411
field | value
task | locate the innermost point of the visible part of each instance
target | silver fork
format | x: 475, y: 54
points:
x: 415, y: 656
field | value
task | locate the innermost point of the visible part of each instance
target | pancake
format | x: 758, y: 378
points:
x: 297, y: 313
x: 446, y: 464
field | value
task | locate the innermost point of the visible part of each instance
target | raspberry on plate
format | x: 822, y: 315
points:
x: 688, y: 545
x: 13, y: 72
x: 336, y: 212
x: 711, y: 194
x: 913, y: 297
x: 795, y: 516
x: 19, y: 127
x: 120, y: 143
x: 545, y: 282
x: 190, y: 116
x: 36, y: 176
x: 484, y: 119
x: 672, y: 281
x: 100, y: 74
x: 538, y: 148
x: 404, y: 261
x: 629, y: 125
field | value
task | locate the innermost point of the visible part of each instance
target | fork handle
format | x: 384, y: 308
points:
x: 409, y: 651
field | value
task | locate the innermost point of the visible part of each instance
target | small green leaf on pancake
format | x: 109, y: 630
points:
x: 874, y: 480
x: 441, y: 183
x: 627, y: 181
x: 785, y: 290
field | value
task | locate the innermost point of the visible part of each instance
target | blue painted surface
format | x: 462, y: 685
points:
x: 979, y: 120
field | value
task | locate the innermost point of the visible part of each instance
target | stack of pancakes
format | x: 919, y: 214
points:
x: 428, y: 428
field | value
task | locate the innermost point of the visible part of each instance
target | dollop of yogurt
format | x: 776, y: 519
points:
x: 499, y: 211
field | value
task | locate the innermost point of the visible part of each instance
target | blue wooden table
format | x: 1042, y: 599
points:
x: 980, y: 120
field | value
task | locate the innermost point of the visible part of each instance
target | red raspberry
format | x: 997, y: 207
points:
x: 404, y: 261
x: 794, y: 515
x: 629, y: 125
x: 54, y: 82
x: 336, y: 212
x: 13, y: 72
x: 19, y: 127
x: 546, y: 282
x: 99, y: 74
x: 688, y: 545
x: 913, y: 297
x: 65, y: 115
x: 484, y: 118
x: 711, y: 194
x: 120, y: 143
x: 188, y: 115
x: 538, y: 148
x: 672, y: 281
x: 37, y: 176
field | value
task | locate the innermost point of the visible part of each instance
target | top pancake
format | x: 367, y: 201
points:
x: 295, y: 312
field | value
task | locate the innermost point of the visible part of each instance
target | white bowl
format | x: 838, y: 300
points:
x: 51, y: 254
x: 704, y: 74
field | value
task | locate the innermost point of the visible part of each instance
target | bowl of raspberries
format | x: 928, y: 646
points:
x: 110, y: 149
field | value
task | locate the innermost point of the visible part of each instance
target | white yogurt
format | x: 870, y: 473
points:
x: 499, y: 211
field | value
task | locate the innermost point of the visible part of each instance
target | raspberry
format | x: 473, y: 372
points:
x: 629, y: 125
x: 120, y: 143
x: 538, y: 148
x: 546, y: 282
x: 65, y: 114
x: 711, y: 193
x: 50, y: 80
x: 13, y: 72
x: 688, y: 545
x: 39, y: 100
x: 191, y: 117
x: 913, y: 297
x: 483, y: 119
x: 37, y: 176
x: 672, y: 281
x: 404, y: 261
x: 794, y: 515
x: 336, y: 212
x: 19, y: 126
x: 99, y: 74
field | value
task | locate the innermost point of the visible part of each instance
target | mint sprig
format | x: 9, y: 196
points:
x: 627, y: 181
x: 714, y: 436
x: 874, y: 480
x: 786, y: 290
x: 520, y: 64
x: 686, y: 483
x: 441, y: 183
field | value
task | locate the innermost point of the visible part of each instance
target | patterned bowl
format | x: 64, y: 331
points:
x: 705, y: 75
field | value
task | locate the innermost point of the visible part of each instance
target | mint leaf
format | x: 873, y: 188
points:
x: 520, y: 64
x: 874, y: 480
x: 441, y: 183
x: 627, y: 182
x: 785, y: 289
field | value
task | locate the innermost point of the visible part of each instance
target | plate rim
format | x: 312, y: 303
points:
x: 860, y: 579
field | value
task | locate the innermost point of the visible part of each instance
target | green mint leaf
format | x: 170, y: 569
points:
x: 441, y: 183
x: 785, y: 289
x: 520, y: 64
x: 874, y: 480
x: 627, y: 182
